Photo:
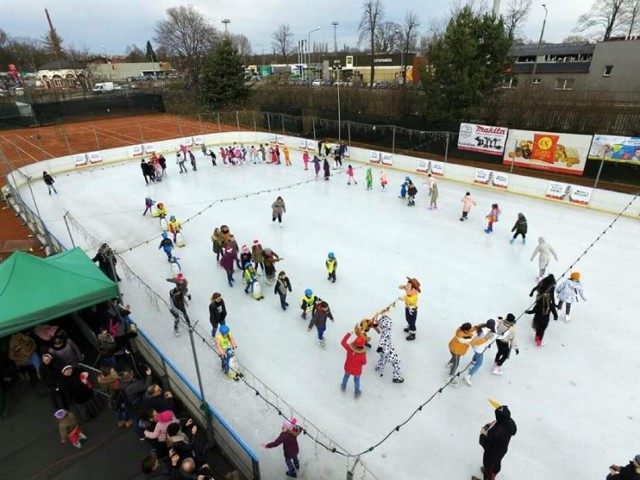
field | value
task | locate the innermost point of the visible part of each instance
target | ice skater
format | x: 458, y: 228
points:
x: 568, y: 292
x: 434, y: 192
x: 282, y: 285
x: 492, y: 217
x: 178, y: 304
x: 257, y: 255
x: 305, y: 160
x: 217, y: 314
x: 326, y: 169
x: 251, y: 281
x: 309, y: 301
x: 225, y: 346
x: 278, y: 208
x: 520, y: 228
x: 269, y: 260
x: 411, y: 289
x: 319, y: 318
x: 494, y: 439
x: 467, y: 203
x: 350, y: 176
x: 487, y: 331
x: 228, y: 261
x: 331, y: 263
x: 49, y: 181
x: 383, y: 180
x: 369, y: 178
x: 148, y: 205
x: 459, y: 345
x: 356, y: 359
x: 288, y: 438
x: 544, y: 252
x: 175, y: 227
x: 166, y: 244
x: 287, y: 158
x: 506, y: 333
x: 216, y: 242
x: 181, y: 158
x: 412, y: 191
x: 541, y: 310
x: 316, y: 165
x: 386, y: 350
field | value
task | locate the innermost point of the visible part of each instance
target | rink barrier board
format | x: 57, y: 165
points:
x: 225, y: 437
x: 601, y: 200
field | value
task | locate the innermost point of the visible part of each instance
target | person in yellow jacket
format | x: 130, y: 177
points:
x: 332, y: 264
x: 410, y: 299
x: 459, y: 345
x: 287, y: 160
x: 225, y: 346
x: 160, y: 211
x: 308, y: 305
x: 174, y: 226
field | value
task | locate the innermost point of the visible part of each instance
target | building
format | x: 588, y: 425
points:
x: 64, y: 74
x: 115, y: 70
x: 609, y: 68
x: 357, y: 67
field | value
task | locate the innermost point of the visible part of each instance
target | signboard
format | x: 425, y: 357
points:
x: 491, y: 178
x: 94, y: 157
x: 374, y: 157
x: 430, y: 166
x: 555, y: 152
x: 482, y: 138
x: 280, y: 139
x: 187, y: 142
x: 615, y: 149
x: 571, y: 193
x: 79, y: 159
x: 199, y: 140
x: 272, y: 138
x: 149, y: 148
x: 312, y: 145
x: 387, y: 159
x: 302, y: 144
x: 135, y: 151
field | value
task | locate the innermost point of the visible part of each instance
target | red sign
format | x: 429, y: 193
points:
x: 544, y: 147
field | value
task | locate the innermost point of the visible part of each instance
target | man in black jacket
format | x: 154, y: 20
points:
x: 495, y: 438
x: 631, y: 471
x: 156, y: 399
x: 134, y: 391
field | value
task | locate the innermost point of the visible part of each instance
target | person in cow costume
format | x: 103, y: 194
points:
x: 386, y: 350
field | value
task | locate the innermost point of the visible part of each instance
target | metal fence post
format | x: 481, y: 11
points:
x: 393, y: 140
x: 66, y: 139
x: 349, y: 132
x: 446, y: 149
x: 237, y: 120
x: 313, y: 122
x: 255, y: 125
x: 595, y: 184
x: 96, y: 135
x: 200, y: 122
x: 282, y: 117
x: 269, y: 121
x: 219, y: 125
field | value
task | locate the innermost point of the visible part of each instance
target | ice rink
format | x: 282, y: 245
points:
x: 575, y: 401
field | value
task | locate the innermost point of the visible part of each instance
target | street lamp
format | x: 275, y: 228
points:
x: 335, y: 36
x: 535, y: 64
x: 226, y: 22
x: 399, y: 34
x: 309, y: 45
x: 337, y: 68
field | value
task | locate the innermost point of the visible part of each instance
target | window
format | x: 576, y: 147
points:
x: 564, y: 84
x: 536, y: 81
x: 607, y: 71
x: 510, y: 82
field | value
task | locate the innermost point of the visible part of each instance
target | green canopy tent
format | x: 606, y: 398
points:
x: 34, y: 290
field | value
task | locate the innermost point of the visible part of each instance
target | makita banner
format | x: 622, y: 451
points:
x: 482, y: 138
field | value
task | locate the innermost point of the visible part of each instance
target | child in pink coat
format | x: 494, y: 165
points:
x: 467, y: 202
x: 492, y: 217
x: 305, y: 159
x: 350, y: 175
x: 383, y: 180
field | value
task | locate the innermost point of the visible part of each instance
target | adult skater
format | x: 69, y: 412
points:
x: 147, y: 172
x: 107, y: 261
x: 228, y: 261
x: 326, y: 168
x: 459, y: 345
x: 356, y: 359
x: 282, y: 285
x: 544, y: 252
x: 181, y: 158
x: 520, y: 228
x: 547, y: 283
x: 494, y: 439
x: 487, y: 331
x: 269, y: 259
x: 543, y: 308
x: 568, y: 292
x: 467, y: 203
x: 631, y: 471
x: 178, y: 304
x: 278, y: 208
x: 386, y: 350
x: 410, y: 299
x: 49, y: 181
x: 506, y: 332
x: 192, y: 158
x: 217, y: 313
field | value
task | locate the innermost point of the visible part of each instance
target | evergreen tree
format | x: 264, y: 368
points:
x: 467, y: 65
x: 223, y: 81
x: 151, y: 55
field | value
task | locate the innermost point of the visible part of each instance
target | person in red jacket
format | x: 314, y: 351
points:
x: 356, y: 359
x: 288, y: 438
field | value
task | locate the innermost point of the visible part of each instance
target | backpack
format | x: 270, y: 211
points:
x: 118, y: 401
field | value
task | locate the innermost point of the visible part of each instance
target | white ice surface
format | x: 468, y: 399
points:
x: 575, y: 400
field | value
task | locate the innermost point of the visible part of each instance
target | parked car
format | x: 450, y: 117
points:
x: 383, y: 84
x: 316, y: 83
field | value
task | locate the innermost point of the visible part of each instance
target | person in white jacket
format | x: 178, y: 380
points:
x: 478, y: 350
x: 506, y: 333
x: 568, y: 291
x: 544, y: 250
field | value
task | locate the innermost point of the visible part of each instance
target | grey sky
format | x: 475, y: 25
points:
x: 115, y: 24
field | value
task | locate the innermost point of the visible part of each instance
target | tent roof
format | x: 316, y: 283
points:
x: 34, y: 290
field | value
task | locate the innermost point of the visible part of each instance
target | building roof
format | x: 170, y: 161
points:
x: 554, y: 49
x: 551, y: 68
x: 58, y: 65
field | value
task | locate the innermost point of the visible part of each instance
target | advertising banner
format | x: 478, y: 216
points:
x: 149, y: 148
x: 312, y: 145
x: 374, y: 157
x: 280, y: 139
x: 187, y: 142
x: 615, y: 149
x: 430, y: 166
x: 387, y: 159
x: 94, y: 157
x: 199, y: 140
x: 79, y: 159
x: 302, y: 144
x: 135, y: 150
x: 491, y: 178
x: 482, y: 138
x: 555, y: 152
x: 571, y: 193
x: 273, y: 138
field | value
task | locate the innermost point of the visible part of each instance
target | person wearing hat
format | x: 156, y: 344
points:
x: 257, y: 255
x: 356, y: 359
x: 506, y: 333
x: 228, y: 261
x: 494, y: 439
x: 76, y: 386
x: 278, y: 208
x: 49, y: 181
x: 288, y: 438
x: 166, y: 244
x: 487, y: 332
x: 181, y: 284
x: 68, y: 428
x: 411, y: 288
x: 568, y: 292
x: 631, y: 471
x: 50, y: 372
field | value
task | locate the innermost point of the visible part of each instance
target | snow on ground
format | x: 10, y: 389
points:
x: 574, y: 400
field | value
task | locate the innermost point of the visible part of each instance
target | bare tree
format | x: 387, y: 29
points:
x: 372, y: 15
x: 605, y: 17
x: 134, y: 54
x: 517, y: 14
x: 282, y: 41
x: 242, y: 44
x: 409, y: 35
x: 387, y: 37
x: 187, y: 35
x: 576, y: 39
x: 632, y: 18
x: 3, y: 37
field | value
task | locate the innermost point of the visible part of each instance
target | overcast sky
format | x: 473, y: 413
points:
x: 111, y: 25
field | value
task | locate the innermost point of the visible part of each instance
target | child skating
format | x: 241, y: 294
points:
x: 288, y: 438
x: 383, y: 180
x: 225, y: 346
x: 369, y: 178
x: 412, y: 191
x: 332, y: 265
x: 467, y: 203
x: 435, y: 190
x: 319, y: 318
x: 175, y: 227
x: 148, y: 205
x: 282, y: 286
x: 492, y: 217
x: 305, y: 160
x: 166, y: 244
x: 251, y: 281
x: 350, y: 176
x: 520, y: 228
x: 356, y: 359
x: 568, y: 292
x: 308, y: 305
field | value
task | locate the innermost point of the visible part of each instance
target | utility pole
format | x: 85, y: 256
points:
x: 335, y: 36
x: 226, y: 22
x: 535, y: 64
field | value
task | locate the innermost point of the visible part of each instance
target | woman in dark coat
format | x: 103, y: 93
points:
x: 520, y: 228
x: 326, y: 168
x: 495, y: 438
x: 541, y: 310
